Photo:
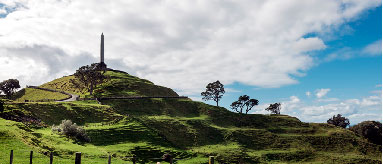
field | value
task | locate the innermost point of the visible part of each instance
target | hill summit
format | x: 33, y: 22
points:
x: 148, y: 128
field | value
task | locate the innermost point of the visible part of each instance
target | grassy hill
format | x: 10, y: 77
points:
x: 118, y: 84
x: 191, y: 131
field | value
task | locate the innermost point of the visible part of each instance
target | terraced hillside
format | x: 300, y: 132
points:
x: 190, y: 131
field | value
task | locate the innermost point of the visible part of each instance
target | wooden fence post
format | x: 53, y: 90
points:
x: 11, y: 157
x: 51, y: 158
x: 211, y: 159
x: 78, y: 158
x: 30, y: 157
x: 110, y: 159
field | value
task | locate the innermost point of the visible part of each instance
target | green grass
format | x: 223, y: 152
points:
x: 64, y: 84
x: 32, y: 94
x: 53, y: 112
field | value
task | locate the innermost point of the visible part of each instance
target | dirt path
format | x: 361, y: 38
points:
x: 72, y: 97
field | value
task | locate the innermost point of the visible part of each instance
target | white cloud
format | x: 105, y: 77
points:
x: 320, y: 110
x: 327, y: 100
x: 374, y: 48
x: 3, y: 11
x: 357, y: 110
x: 359, y: 117
x: 232, y: 90
x: 343, y: 108
x: 308, y: 94
x: 294, y: 99
x: 322, y: 92
x: 293, y: 104
x: 180, y: 44
x: 372, y: 100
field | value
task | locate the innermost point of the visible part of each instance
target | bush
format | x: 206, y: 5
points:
x: 71, y: 130
x: 339, y: 121
x: 371, y: 130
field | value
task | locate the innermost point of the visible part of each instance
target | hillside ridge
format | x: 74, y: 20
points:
x: 189, y: 130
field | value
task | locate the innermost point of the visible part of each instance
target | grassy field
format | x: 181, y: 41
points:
x: 32, y: 94
x: 190, y: 131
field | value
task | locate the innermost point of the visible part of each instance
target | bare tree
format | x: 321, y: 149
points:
x: 214, y: 91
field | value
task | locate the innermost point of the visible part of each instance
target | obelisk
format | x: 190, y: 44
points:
x: 102, y: 49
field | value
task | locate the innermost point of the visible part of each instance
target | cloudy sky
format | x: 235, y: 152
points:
x: 317, y: 57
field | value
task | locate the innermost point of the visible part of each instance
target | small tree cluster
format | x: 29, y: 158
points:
x: 8, y: 87
x: 71, y: 130
x: 274, y: 108
x: 214, y: 91
x: 244, y: 103
x: 371, y: 130
x: 338, y: 120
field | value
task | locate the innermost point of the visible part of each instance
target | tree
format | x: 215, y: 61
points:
x: 214, y: 91
x: 89, y: 77
x: 339, y: 121
x: 9, y: 87
x: 274, y: 108
x: 244, y: 103
x: 1, y: 106
x: 371, y: 130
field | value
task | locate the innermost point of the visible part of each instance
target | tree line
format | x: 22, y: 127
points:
x: 215, y: 90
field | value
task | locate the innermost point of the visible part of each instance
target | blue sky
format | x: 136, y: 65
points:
x: 274, y: 51
x: 355, y: 77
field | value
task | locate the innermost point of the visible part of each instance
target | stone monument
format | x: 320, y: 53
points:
x: 102, y: 64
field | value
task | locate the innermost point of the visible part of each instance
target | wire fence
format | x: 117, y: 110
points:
x: 31, y: 157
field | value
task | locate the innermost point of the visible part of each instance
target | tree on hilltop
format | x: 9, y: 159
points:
x: 339, y: 121
x: 244, y: 103
x: 89, y: 77
x: 274, y: 108
x: 214, y: 91
x: 8, y: 87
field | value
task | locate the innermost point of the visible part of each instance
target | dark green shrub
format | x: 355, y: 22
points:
x: 339, y: 121
x: 372, y: 130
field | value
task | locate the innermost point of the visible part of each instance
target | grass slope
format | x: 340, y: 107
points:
x: 32, y: 94
x: 191, y: 131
